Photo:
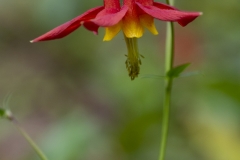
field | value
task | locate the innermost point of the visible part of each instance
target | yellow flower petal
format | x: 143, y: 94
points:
x: 132, y: 28
x: 148, y: 22
x: 112, y: 31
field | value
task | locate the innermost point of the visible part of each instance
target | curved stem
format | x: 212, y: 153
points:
x: 30, y: 141
x: 168, y: 87
x: 11, y: 118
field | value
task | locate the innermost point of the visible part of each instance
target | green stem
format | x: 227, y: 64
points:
x: 10, y: 117
x: 168, y: 87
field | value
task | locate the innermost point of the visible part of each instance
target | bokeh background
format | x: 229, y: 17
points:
x: 75, y: 99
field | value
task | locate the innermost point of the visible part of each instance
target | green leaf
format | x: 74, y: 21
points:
x: 176, y: 71
x: 2, y: 112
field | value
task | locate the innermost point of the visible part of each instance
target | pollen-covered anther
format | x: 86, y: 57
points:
x: 133, y: 67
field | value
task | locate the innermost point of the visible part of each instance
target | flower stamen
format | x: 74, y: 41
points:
x: 133, y: 61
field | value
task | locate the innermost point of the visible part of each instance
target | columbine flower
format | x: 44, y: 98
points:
x: 131, y: 18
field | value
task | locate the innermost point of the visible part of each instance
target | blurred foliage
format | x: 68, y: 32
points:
x: 2, y: 112
x: 74, y: 96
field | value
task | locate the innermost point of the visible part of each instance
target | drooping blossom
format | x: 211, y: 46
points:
x: 132, y: 17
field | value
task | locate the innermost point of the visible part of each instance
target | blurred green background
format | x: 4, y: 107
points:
x: 75, y: 99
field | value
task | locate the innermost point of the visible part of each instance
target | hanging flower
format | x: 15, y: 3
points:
x: 131, y: 18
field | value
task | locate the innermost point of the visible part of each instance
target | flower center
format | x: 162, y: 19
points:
x: 133, y: 61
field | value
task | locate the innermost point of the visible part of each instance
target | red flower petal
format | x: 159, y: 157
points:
x: 163, y: 6
x: 108, y: 18
x: 167, y: 13
x: 91, y: 26
x: 68, y: 27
